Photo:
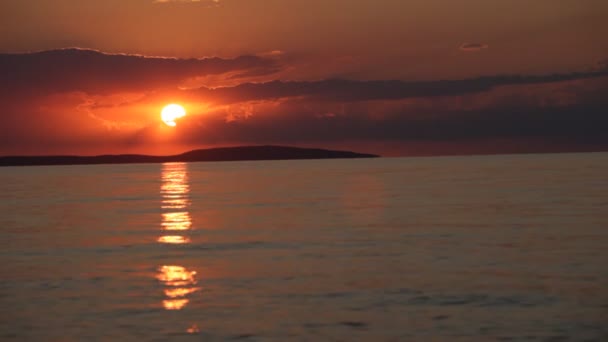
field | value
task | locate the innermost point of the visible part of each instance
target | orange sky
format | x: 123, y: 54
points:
x: 369, y: 39
x: 93, y: 101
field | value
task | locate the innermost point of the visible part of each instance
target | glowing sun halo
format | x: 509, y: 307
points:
x: 171, y: 113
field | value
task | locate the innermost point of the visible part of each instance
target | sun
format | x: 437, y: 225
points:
x: 172, y: 112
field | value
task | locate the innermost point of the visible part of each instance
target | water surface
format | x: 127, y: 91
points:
x: 425, y: 249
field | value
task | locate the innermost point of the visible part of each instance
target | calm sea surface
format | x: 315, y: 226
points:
x: 406, y: 249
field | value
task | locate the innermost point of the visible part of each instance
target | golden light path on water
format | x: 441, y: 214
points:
x: 179, y: 282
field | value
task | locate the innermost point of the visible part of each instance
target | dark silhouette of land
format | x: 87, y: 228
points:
x: 212, y: 154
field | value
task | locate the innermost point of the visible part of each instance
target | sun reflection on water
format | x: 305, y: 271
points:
x: 175, y: 193
x: 178, y: 281
x: 173, y: 239
x: 176, y: 221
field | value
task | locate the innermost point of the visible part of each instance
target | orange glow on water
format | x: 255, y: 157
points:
x: 176, y: 221
x: 176, y: 276
x: 193, y: 329
x: 175, y: 304
x: 178, y: 282
x: 173, y: 204
x: 179, y: 292
x: 174, y: 189
x: 173, y: 239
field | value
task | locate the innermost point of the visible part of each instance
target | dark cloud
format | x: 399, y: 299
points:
x: 472, y: 47
x: 349, y: 91
x: 602, y: 65
x: 297, y: 122
x: 95, y: 72
x: 106, y: 102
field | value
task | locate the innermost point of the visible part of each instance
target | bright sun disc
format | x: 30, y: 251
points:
x: 171, y: 113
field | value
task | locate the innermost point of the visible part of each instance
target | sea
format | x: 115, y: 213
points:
x: 473, y: 248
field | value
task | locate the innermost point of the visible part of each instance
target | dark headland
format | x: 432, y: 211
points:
x: 212, y: 154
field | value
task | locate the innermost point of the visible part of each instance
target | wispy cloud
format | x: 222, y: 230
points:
x: 473, y: 47
x: 271, y: 53
x: 186, y: 1
x: 357, y: 91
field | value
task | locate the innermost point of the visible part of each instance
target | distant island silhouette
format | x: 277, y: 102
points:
x: 240, y: 153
